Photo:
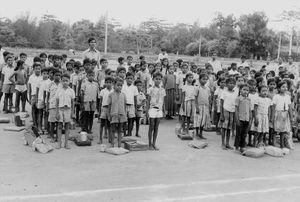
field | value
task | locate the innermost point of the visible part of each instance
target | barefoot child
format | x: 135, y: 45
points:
x: 217, y: 102
x: 271, y: 93
x: 64, y: 109
x: 8, y: 86
x: 202, y: 116
x: 169, y: 83
x: 117, y: 110
x: 103, y: 108
x: 140, y: 101
x: 228, y: 99
x: 253, y: 96
x: 156, y: 97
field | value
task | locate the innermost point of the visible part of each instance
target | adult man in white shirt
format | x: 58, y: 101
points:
x: 162, y: 55
x: 92, y: 52
x: 269, y: 66
x: 216, y: 64
x: 243, y: 63
x: 292, y: 67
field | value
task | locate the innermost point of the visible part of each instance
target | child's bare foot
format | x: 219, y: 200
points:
x: 52, y: 140
x: 202, y: 138
x: 150, y: 147
x: 155, y: 147
x: 137, y: 135
x: 67, y: 147
x: 224, y: 147
x: 58, y: 146
x: 229, y: 147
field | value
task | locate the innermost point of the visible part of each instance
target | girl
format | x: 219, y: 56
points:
x: 202, y: 116
x: 253, y: 95
x: 242, y: 117
x: 165, y: 66
x: 282, y: 112
x: 271, y: 93
x: 217, y: 103
x: 169, y: 84
x: 156, y: 99
x: 19, y: 77
x: 140, y: 102
x: 262, y: 113
x: 228, y: 98
x: 188, y: 102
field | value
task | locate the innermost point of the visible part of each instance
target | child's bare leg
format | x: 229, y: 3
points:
x: 223, y: 131
x: 281, y: 140
x: 52, y: 126
x: 201, y: 133
x: 124, y: 129
x: 249, y: 139
x: 255, y: 139
x: 59, y: 134
x: 150, y: 131
x: 106, y: 128
x: 197, y: 131
x: 183, y: 124
x: 112, y: 135
x: 120, y: 126
x: 130, y: 126
x: 67, y: 130
x: 228, y: 139
x: 102, y: 125
x: 156, y: 124
x: 137, y: 126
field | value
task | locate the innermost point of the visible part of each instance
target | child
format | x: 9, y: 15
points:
x: 41, y: 93
x: 202, y: 116
x: 282, y: 112
x: 121, y: 72
x: 131, y: 93
x: 144, y: 76
x: 262, y: 115
x: 89, y: 90
x: 156, y: 99
x: 228, y: 98
x: 188, y: 102
x: 103, y: 108
x: 19, y: 77
x: 33, y: 82
x: 169, y: 84
x: 140, y: 101
x: 8, y: 86
x: 217, y: 102
x: 64, y: 109
x: 51, y: 103
x: 117, y: 110
x: 243, y: 115
x: 271, y: 93
x: 253, y: 96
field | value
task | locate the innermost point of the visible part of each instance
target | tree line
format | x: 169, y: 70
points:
x: 227, y: 35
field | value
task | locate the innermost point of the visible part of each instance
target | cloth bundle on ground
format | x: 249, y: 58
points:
x: 116, y: 150
x: 185, y: 137
x: 30, y: 134
x: 82, y: 139
x: 130, y: 139
x: 254, y: 152
x: 136, y: 146
x: 22, y: 115
x: 276, y: 152
x: 198, y: 144
x: 41, y: 146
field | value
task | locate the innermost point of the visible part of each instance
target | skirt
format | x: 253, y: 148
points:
x: 189, y: 109
x: 229, y: 120
x: 170, y: 105
x: 203, y: 118
x: 282, y: 122
x: 263, y: 123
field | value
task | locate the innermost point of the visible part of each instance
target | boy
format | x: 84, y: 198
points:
x: 131, y: 93
x: 117, y: 110
x: 33, y: 82
x: 140, y: 101
x: 103, y: 107
x: 28, y: 70
x: 89, y: 91
x: 51, y: 103
x: 144, y: 76
x: 121, y: 61
x: 8, y: 86
x: 156, y: 99
x: 100, y: 76
x: 129, y: 63
x: 121, y: 72
x: 64, y: 109
x: 41, y: 93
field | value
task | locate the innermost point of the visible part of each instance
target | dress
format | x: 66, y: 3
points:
x: 263, y: 114
x: 282, y: 120
x: 202, y: 119
x: 189, y: 102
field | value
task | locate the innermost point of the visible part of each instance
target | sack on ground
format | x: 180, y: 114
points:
x: 254, y: 152
x: 4, y: 120
x: 274, y: 151
x: 198, y: 144
x: 41, y: 146
x: 129, y: 139
x: 286, y: 151
x: 116, y: 150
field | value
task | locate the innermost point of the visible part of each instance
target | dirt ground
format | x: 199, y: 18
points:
x: 174, y: 173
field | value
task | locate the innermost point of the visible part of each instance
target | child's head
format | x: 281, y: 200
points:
x: 220, y: 74
x: 56, y: 76
x: 259, y: 81
x: 118, y: 84
x: 9, y: 60
x: 252, y: 73
x: 142, y: 58
x: 138, y: 83
x: 282, y: 87
x: 87, y: 64
x: 65, y: 79
x: 137, y: 67
x: 121, y: 60
x: 194, y: 68
x: 37, y: 69
x: 129, y: 78
x: 270, y: 74
x: 158, y: 67
x: 184, y: 68
x: 45, y: 73
x: 121, y: 72
x: 129, y: 59
x: 221, y: 82
x: 165, y: 62
x: 171, y: 69
x: 93, y: 64
x: 23, y: 56
x: 230, y: 82
x: 108, y: 82
x: 143, y: 65
x: 157, y: 77
x: 150, y: 67
x: 209, y: 68
x: 113, y: 74
x: 103, y: 63
x: 69, y: 66
x: 20, y: 65
x: 244, y: 90
x: 176, y: 65
x: 57, y: 60
x: 233, y: 66
x: 240, y: 80
x: 189, y: 77
x: 77, y: 67
x: 90, y: 75
x: 263, y: 90
x: 203, y: 78
x: 50, y: 58
x: 271, y: 83
x: 258, y: 74
x: 43, y: 56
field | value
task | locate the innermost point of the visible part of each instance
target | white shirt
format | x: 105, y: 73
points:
x: 34, y: 81
x: 189, y: 92
x: 162, y: 56
x: 282, y: 102
x: 263, y: 105
x: 65, y: 97
x: 92, y: 54
x: 253, y: 98
x: 233, y: 72
x: 130, y: 92
x: 216, y: 64
x: 229, y: 100
x: 243, y: 64
x: 104, y: 94
x: 7, y: 71
x: 44, y: 85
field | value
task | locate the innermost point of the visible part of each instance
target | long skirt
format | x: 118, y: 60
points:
x: 203, y: 118
x: 170, y: 106
x: 282, y: 122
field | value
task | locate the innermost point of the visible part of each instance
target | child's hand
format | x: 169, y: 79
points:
x: 222, y: 118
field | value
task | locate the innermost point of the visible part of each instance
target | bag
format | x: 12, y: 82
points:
x: 116, y: 150
x: 4, y: 120
x: 22, y: 115
x: 285, y: 151
x: 274, y: 151
x: 136, y: 146
x: 78, y: 142
x: 41, y: 146
x: 129, y: 139
x: 30, y: 135
x: 198, y: 144
x: 254, y: 152
x: 185, y: 137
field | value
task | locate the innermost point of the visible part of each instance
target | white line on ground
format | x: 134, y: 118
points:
x: 155, y: 187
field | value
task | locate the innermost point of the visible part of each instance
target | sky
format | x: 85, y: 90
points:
x: 132, y: 12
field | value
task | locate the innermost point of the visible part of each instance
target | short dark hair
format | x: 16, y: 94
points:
x: 271, y: 80
x: 65, y: 76
x: 23, y: 54
x: 230, y: 80
x: 121, y: 69
x: 86, y: 61
x: 109, y: 78
x: 43, y: 55
x: 36, y: 59
x: 36, y: 64
x: 120, y: 59
x: 137, y: 82
x: 128, y: 74
x: 103, y: 60
x: 89, y: 72
x: 119, y: 79
x: 157, y: 74
x: 129, y: 56
x: 45, y: 70
x: 91, y: 39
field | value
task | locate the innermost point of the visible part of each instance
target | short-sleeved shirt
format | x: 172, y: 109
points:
x: 229, y: 98
x: 43, y: 86
x: 7, y: 71
x: 34, y: 81
x: 216, y: 64
x: 179, y: 79
x: 218, y: 92
x: 52, y: 93
x: 90, y: 90
x: 65, y: 96
x: 156, y: 97
x: 92, y: 54
x: 202, y: 94
x: 253, y: 98
x: 281, y: 102
x: 144, y: 77
x: 139, y: 100
x: 74, y: 78
x: 130, y: 92
x: 104, y: 93
x: 100, y: 78
x: 244, y: 105
x: 189, y: 91
x: 169, y: 81
x: 117, y: 102
x: 263, y: 105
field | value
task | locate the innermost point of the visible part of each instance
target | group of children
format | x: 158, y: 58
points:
x: 239, y: 101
